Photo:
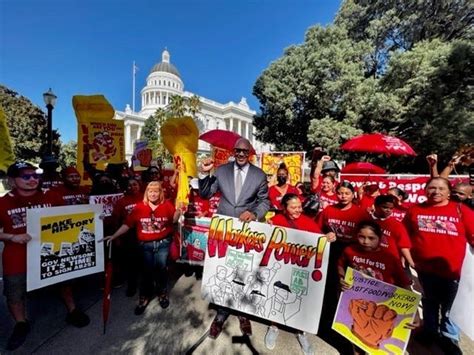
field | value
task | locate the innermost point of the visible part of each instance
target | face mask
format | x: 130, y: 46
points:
x: 281, y: 180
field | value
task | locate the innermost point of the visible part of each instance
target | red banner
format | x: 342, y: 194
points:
x: 413, y: 185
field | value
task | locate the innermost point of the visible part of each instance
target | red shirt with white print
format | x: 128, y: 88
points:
x: 341, y: 222
x: 152, y: 225
x: 13, y: 221
x: 124, y: 207
x: 327, y: 200
x: 303, y: 223
x: 379, y: 264
x: 438, y: 235
x: 275, y: 196
x: 394, y: 235
x: 198, y: 206
x: 214, y: 203
x: 76, y: 196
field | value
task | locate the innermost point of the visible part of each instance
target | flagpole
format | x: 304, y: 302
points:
x: 133, y: 85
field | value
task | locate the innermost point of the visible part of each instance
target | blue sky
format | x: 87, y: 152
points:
x: 87, y: 46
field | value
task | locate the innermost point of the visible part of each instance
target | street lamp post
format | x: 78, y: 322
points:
x: 49, y: 161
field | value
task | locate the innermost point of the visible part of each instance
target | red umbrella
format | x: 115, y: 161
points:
x: 378, y: 143
x: 362, y: 168
x: 107, y: 288
x: 222, y: 139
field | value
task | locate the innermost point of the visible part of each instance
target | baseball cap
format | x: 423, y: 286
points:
x: 15, y: 169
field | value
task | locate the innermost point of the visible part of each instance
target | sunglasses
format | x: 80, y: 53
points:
x: 241, y: 151
x: 27, y: 177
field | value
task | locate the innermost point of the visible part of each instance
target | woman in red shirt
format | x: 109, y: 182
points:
x: 293, y: 217
x: 127, y: 247
x: 276, y: 192
x: 342, y: 219
x: 328, y: 195
x: 400, y: 209
x: 153, y: 219
x: 439, y: 229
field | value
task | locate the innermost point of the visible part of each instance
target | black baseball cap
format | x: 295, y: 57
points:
x: 14, y: 170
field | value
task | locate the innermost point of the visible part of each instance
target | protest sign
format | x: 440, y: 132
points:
x: 293, y: 161
x: 462, y: 312
x: 271, y: 272
x: 64, y: 244
x: 372, y: 314
x: 100, y: 138
x: 413, y: 185
x: 194, y: 233
x: 142, y: 156
x: 107, y: 201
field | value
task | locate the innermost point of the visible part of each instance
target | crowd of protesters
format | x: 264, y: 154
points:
x: 429, y: 238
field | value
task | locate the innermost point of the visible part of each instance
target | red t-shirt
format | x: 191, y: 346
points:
x: 438, y: 235
x: 13, y: 221
x: 367, y: 202
x: 124, y: 207
x: 152, y: 225
x: 198, y: 206
x: 395, y: 236
x: 275, y: 196
x: 327, y: 200
x: 379, y: 264
x: 303, y: 223
x: 78, y: 196
x: 341, y: 222
x: 214, y: 203
x: 399, y: 213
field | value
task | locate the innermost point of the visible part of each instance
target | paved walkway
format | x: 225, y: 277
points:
x: 180, y: 329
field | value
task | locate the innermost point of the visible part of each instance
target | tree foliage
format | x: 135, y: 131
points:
x: 178, y: 106
x: 27, y: 125
x: 397, y: 67
x: 68, y: 154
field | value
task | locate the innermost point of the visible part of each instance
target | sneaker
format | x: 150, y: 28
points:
x: 245, y: 326
x: 305, y: 344
x: 18, y: 336
x: 164, y: 301
x: 141, y: 306
x: 271, y: 337
x: 77, y: 318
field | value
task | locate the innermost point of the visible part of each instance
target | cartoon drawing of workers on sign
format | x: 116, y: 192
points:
x: 284, y: 304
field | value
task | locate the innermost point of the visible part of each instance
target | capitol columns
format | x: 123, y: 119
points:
x: 127, y: 139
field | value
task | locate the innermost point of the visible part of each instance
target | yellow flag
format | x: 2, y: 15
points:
x: 180, y: 136
x: 100, y: 138
x: 7, y: 157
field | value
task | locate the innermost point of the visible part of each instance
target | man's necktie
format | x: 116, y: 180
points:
x: 238, y: 183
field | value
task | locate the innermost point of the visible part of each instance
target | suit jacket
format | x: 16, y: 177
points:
x: 253, y: 196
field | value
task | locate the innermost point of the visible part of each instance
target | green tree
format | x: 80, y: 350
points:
x: 177, y: 106
x: 27, y: 125
x: 317, y: 80
x: 68, y: 154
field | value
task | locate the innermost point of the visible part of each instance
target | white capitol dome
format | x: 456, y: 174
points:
x: 162, y: 83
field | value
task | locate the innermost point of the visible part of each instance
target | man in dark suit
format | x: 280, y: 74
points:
x: 244, y: 192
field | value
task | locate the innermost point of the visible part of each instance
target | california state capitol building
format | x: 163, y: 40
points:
x: 162, y: 83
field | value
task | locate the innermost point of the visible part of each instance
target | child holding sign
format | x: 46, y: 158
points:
x: 367, y: 256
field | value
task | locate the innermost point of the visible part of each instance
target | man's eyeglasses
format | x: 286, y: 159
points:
x: 241, y: 151
x: 27, y: 177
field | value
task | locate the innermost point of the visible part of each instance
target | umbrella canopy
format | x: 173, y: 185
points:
x: 222, y: 139
x: 378, y: 143
x: 362, y: 168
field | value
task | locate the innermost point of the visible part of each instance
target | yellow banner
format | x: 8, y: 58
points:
x: 62, y: 233
x: 98, y: 134
x: 6, y: 151
x: 293, y: 160
x: 180, y: 137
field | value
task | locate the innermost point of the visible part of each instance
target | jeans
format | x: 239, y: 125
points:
x: 438, y: 294
x: 154, y: 259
